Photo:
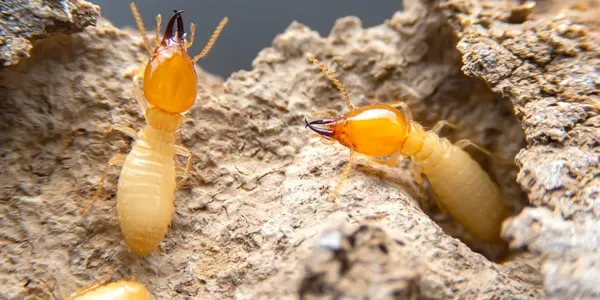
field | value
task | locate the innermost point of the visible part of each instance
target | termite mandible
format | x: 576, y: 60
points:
x: 463, y: 188
x: 147, y: 182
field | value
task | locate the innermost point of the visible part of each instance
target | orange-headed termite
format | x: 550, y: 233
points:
x: 463, y: 188
x: 120, y: 290
x: 147, y: 182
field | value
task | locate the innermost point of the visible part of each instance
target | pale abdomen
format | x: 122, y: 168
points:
x: 145, y: 195
x: 466, y: 191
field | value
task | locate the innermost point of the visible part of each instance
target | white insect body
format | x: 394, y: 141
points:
x: 165, y: 88
x: 147, y: 184
x: 463, y: 188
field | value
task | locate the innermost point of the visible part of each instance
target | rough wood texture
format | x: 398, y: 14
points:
x: 22, y: 22
x: 546, y: 62
x: 253, y: 221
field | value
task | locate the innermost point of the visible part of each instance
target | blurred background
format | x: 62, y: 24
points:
x: 253, y: 24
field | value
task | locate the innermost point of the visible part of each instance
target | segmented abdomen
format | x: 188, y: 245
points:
x: 464, y: 189
x: 146, y: 193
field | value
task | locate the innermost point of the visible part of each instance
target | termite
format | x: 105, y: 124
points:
x: 147, y: 182
x: 378, y: 131
x: 120, y: 290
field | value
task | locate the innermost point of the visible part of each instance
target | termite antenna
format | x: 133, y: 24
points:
x: 211, y: 41
x: 192, y: 35
x: 140, y: 24
x: 157, y: 30
x: 335, y: 81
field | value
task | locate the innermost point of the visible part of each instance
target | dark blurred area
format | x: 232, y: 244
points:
x: 252, y: 24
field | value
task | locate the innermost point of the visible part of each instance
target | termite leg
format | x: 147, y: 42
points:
x: 437, y: 128
x: 138, y: 93
x: 92, y: 285
x: 323, y: 139
x: 157, y: 30
x: 334, y: 79
x: 211, y: 41
x: 124, y: 129
x: 418, y: 176
x: 183, y: 173
x: 48, y: 289
x: 334, y: 193
x: 404, y: 108
x: 140, y: 24
x: 85, y: 289
x: 192, y: 35
x: 417, y: 173
x: 464, y: 143
x: 390, y: 162
x: 117, y: 160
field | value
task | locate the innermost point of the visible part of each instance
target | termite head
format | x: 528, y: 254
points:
x: 375, y: 130
x: 170, y: 78
x: 121, y: 289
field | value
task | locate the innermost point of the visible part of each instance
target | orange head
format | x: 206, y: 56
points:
x: 375, y: 130
x: 170, y: 78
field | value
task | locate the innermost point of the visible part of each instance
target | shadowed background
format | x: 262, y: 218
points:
x: 252, y: 24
